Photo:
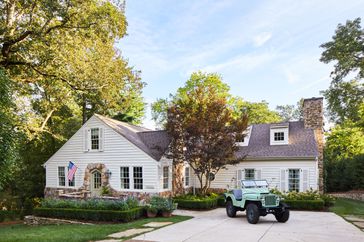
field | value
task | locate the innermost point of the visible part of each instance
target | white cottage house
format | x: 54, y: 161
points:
x: 130, y: 160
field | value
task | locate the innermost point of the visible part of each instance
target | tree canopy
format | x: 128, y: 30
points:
x: 204, y: 128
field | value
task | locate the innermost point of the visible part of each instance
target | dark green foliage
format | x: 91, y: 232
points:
x: 9, y: 215
x: 221, y: 201
x: 162, y: 204
x: 315, y: 205
x: 93, y: 204
x: 88, y: 214
x: 345, y: 174
x: 190, y: 201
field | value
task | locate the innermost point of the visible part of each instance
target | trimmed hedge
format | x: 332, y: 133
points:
x: 221, y: 201
x: 93, y: 215
x: 306, y: 204
x: 205, y: 203
x: 9, y: 214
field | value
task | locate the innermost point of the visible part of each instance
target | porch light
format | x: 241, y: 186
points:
x: 108, y: 173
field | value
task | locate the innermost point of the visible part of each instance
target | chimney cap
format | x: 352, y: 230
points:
x: 313, y: 99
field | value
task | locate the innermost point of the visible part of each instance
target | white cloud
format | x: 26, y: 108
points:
x: 261, y: 39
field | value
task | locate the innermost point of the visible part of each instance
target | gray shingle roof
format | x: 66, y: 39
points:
x: 302, y: 142
x: 153, y: 143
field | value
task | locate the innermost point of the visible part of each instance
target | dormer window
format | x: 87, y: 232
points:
x: 93, y: 139
x: 244, y: 141
x: 279, y: 134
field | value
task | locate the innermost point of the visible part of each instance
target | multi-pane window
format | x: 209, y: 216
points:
x: 294, y: 180
x: 187, y: 176
x: 278, y: 136
x: 95, y: 139
x: 138, y: 177
x: 97, y: 180
x: 71, y: 183
x: 61, y: 176
x: 124, y: 178
x: 249, y: 174
x: 165, y: 177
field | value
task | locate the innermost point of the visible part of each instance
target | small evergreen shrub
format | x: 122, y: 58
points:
x: 315, y: 205
x: 88, y: 214
x: 190, y: 201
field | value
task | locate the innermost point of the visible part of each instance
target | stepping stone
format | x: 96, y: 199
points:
x: 353, y: 218
x: 157, y: 224
x: 129, y: 232
x: 359, y: 224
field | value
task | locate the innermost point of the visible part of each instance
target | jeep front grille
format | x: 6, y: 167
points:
x: 270, y: 200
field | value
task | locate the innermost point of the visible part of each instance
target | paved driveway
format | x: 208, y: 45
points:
x: 216, y: 226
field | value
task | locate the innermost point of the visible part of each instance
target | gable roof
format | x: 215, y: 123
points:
x: 302, y: 142
x: 153, y: 143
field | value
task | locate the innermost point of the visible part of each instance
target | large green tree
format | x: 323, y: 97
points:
x: 204, y: 128
x: 291, y: 112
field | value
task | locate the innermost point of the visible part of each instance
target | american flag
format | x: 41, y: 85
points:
x: 71, y: 170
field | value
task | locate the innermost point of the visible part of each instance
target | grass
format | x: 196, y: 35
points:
x: 344, y: 206
x: 67, y: 232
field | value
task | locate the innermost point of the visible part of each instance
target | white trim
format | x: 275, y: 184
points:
x: 247, y: 133
x: 274, y: 130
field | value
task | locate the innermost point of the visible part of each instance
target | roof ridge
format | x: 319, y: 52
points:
x: 122, y: 122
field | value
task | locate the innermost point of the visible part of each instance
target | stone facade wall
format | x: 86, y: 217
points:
x: 313, y: 118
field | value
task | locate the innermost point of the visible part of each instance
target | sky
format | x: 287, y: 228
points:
x: 264, y: 50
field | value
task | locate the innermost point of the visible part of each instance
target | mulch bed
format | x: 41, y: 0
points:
x: 11, y: 222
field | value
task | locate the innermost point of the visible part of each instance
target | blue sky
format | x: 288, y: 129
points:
x: 264, y: 50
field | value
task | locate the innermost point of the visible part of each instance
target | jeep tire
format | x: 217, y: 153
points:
x: 230, y: 209
x: 283, y: 216
x: 252, y: 213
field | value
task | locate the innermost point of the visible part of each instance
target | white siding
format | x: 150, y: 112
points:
x: 117, y: 152
x: 269, y: 170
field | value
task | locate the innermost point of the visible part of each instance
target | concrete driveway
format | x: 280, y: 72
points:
x: 216, y: 226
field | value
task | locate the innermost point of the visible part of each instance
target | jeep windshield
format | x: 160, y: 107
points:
x: 254, y: 183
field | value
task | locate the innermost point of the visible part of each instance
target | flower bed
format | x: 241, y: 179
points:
x: 89, y: 214
x: 196, y: 202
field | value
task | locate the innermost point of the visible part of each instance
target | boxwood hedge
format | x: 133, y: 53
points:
x: 88, y: 214
x: 306, y: 204
x: 9, y: 214
x: 198, y: 204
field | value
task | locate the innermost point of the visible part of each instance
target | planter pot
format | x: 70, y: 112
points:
x: 166, y: 214
x: 151, y: 214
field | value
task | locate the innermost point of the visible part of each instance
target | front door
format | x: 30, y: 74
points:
x: 96, y: 183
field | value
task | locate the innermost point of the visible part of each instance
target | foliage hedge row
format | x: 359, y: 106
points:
x: 190, y: 201
x: 315, y: 205
x: 89, y: 214
x: 94, y: 204
x: 9, y: 214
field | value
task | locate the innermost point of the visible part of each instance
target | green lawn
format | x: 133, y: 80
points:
x: 345, y: 206
x: 62, y: 233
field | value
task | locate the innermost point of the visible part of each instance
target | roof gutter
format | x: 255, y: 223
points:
x: 312, y: 158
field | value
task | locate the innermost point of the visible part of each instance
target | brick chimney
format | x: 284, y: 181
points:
x: 313, y: 118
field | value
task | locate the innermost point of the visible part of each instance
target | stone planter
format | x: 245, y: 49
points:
x: 166, y: 214
x: 151, y: 214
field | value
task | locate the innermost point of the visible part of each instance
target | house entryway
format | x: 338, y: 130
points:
x: 95, y: 183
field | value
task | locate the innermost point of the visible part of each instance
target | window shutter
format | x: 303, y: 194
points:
x: 238, y: 178
x: 304, y: 180
x: 101, y: 139
x: 258, y: 174
x: 85, y: 140
x: 283, y: 180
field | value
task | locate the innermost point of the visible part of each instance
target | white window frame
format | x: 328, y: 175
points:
x: 187, y: 179
x: 59, y: 177
x: 290, y: 179
x: 142, y: 178
x: 165, y: 183
x: 98, y: 138
x: 122, y: 177
x: 249, y: 169
x: 283, y: 130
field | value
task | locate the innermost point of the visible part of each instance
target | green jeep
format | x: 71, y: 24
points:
x: 255, y: 198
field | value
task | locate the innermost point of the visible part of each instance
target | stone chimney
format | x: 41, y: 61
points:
x: 313, y: 118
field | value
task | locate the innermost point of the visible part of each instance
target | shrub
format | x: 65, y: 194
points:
x: 190, y: 201
x: 221, y: 201
x: 9, y: 215
x: 306, y: 204
x: 162, y: 204
x: 93, y: 204
x: 88, y: 214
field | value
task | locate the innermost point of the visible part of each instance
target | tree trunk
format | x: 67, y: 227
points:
x: 84, y: 114
x: 177, y: 181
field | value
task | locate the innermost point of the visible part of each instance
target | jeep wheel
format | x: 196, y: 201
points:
x: 252, y: 213
x: 230, y: 209
x: 282, y: 217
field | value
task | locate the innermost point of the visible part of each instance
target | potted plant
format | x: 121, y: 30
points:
x: 168, y: 208
x: 151, y: 211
